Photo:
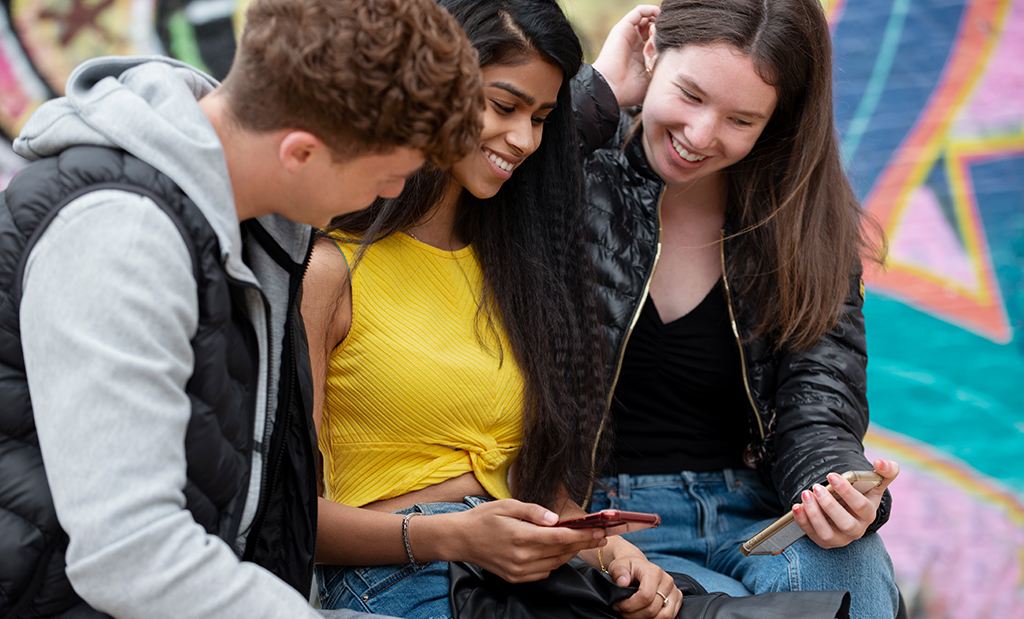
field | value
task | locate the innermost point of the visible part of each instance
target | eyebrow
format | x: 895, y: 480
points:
x: 527, y: 99
x: 683, y: 81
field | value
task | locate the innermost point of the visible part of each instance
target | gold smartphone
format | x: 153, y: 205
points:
x: 777, y: 536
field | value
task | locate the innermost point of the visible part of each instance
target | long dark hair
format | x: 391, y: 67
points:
x: 528, y: 240
x: 800, y: 231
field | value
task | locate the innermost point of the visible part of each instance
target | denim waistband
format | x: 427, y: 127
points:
x: 622, y: 484
x: 445, y: 507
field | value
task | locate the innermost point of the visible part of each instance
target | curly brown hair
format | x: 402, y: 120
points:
x: 364, y: 77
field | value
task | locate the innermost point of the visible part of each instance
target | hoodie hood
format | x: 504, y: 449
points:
x: 148, y: 107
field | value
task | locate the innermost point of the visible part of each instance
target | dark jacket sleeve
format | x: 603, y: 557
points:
x: 821, y: 399
x: 595, y: 108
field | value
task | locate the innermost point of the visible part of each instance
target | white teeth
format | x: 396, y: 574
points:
x: 498, y: 161
x: 685, y: 154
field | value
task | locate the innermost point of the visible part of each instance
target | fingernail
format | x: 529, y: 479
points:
x: 819, y: 490
x: 551, y: 517
x: 806, y: 495
x: 622, y: 581
x: 833, y: 478
x: 797, y: 507
x: 598, y: 533
x: 602, y: 543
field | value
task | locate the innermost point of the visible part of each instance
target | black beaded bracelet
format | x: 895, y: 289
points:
x: 405, y: 538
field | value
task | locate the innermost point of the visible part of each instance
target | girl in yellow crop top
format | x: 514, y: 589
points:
x: 456, y: 360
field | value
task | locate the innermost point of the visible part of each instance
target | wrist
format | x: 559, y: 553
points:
x: 434, y: 537
x: 594, y: 556
x: 618, y: 548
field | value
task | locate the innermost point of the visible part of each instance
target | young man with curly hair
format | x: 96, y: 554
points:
x: 156, y: 452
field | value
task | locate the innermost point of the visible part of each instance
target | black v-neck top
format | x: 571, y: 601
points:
x: 680, y: 404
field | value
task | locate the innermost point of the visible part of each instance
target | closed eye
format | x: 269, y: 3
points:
x: 502, y: 108
x: 689, y: 95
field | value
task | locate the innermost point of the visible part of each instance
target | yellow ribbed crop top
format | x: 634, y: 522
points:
x: 412, y: 396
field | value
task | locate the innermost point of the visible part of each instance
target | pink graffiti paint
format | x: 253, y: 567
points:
x: 998, y: 102
x: 927, y: 239
x: 957, y: 554
x: 13, y: 101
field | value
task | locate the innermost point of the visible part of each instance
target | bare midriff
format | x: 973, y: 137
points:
x: 449, y: 491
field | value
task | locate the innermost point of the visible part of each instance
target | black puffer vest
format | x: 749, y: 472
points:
x: 809, y: 409
x: 222, y: 390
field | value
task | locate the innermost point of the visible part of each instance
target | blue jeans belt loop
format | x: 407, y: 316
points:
x: 730, y: 478
x: 474, y: 501
x: 625, y: 486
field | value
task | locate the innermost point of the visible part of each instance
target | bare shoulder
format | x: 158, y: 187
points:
x: 328, y: 270
x: 326, y: 300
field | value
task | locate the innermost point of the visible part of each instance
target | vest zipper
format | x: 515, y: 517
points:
x: 739, y: 343
x: 284, y: 406
x: 622, y: 354
x: 270, y: 471
x: 257, y: 519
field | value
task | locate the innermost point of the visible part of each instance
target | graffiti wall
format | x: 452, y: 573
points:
x: 930, y: 105
x: 930, y: 102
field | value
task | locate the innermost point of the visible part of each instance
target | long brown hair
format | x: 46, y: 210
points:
x: 799, y: 231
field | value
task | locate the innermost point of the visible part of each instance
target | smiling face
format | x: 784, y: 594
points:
x: 519, y: 99
x: 705, y: 108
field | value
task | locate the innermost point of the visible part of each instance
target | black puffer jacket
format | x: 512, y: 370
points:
x: 809, y: 409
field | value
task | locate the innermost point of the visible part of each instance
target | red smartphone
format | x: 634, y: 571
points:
x: 613, y: 521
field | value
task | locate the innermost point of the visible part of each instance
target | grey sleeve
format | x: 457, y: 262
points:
x: 109, y: 307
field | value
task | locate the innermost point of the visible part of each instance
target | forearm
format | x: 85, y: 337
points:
x: 821, y: 399
x: 354, y: 536
x: 617, y: 548
x: 595, y: 108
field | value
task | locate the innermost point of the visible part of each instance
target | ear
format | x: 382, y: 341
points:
x: 297, y: 148
x: 650, y: 52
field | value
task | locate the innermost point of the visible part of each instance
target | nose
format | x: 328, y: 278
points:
x: 520, y: 138
x: 702, y: 130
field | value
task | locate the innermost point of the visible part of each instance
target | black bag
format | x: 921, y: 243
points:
x: 578, y: 591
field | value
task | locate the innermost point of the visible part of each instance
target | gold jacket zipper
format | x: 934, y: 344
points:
x: 739, y: 343
x: 622, y: 354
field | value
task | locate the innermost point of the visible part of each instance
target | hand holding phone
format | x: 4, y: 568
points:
x: 777, y: 536
x: 613, y: 521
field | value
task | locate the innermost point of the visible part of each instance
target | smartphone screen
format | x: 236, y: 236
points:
x: 777, y: 536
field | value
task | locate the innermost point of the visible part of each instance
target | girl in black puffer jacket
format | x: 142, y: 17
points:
x: 727, y: 243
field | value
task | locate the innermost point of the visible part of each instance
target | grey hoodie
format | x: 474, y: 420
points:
x: 108, y: 310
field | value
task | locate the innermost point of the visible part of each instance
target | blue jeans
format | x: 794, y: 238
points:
x: 414, y: 592
x: 706, y: 516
